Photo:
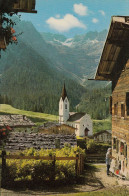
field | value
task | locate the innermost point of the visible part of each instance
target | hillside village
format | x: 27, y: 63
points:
x: 60, y: 151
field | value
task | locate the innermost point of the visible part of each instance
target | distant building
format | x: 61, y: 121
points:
x: 56, y: 128
x: 103, y: 136
x: 15, y: 121
x: 81, y: 121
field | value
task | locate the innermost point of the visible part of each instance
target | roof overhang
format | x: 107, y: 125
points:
x: 117, y: 40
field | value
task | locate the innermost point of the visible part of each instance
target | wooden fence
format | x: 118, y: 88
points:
x: 79, y: 163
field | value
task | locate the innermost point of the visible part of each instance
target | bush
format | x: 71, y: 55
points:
x: 94, y: 147
x: 42, y: 170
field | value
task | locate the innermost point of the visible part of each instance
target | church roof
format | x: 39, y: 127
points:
x: 64, y: 93
x: 76, y: 116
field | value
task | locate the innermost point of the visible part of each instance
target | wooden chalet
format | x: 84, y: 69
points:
x: 56, y: 128
x: 114, y: 66
x: 104, y: 136
x: 27, y: 6
x: 20, y: 141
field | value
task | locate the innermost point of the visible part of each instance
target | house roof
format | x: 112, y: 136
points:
x: 25, y: 6
x: 116, y: 44
x: 64, y: 93
x: 21, y: 141
x: 76, y: 116
x: 50, y: 125
x: 15, y: 121
x: 103, y: 131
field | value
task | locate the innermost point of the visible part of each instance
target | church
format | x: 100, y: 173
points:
x: 80, y: 121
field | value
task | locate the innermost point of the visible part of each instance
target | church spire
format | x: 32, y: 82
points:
x: 64, y: 93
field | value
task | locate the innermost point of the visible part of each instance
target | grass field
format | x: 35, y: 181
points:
x: 38, y: 118
x: 7, y: 109
x: 99, y: 125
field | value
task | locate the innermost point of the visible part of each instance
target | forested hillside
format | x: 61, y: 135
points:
x: 96, y: 102
x: 32, y: 72
x: 29, y: 80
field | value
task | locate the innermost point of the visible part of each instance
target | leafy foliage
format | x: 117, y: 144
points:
x: 94, y: 147
x: 40, y: 170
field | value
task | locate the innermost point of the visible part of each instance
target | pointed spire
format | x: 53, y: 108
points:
x: 64, y: 93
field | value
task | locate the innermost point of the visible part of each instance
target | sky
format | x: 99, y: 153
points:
x: 73, y: 17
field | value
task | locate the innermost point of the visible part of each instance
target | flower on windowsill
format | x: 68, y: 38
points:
x: 122, y: 149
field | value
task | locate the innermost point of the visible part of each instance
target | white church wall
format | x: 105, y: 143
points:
x: 63, y: 110
x: 86, y: 122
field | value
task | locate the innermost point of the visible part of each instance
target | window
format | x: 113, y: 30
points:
x: 117, y: 146
x: 115, y: 108
x: 114, y: 143
x: 122, y: 148
x: 125, y: 150
x: 122, y: 110
x: 127, y: 103
x: 65, y: 106
x: 110, y: 109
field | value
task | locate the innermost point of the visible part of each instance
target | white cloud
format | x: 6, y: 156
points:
x: 65, y: 24
x: 95, y: 20
x: 102, y: 12
x: 57, y: 15
x: 80, y: 9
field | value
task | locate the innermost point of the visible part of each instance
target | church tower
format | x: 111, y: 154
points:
x: 63, y: 107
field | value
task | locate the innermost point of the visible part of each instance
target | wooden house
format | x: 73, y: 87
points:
x: 27, y: 6
x: 103, y: 136
x: 56, y: 128
x: 20, y: 141
x: 114, y: 66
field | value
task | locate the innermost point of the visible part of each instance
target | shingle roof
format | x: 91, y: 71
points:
x: 15, y: 121
x: 116, y: 43
x: 76, y: 116
x: 103, y: 131
x: 22, y: 141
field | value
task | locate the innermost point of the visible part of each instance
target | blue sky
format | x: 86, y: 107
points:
x: 72, y: 17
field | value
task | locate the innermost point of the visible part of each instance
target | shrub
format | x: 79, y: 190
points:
x: 94, y: 147
x: 42, y: 170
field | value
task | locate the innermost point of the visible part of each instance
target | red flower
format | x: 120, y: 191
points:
x: 12, y: 30
x: 3, y: 133
x: 14, y: 38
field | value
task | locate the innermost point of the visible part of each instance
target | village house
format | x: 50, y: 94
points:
x: 114, y: 66
x: 104, y: 136
x: 81, y: 121
x: 56, y: 128
x: 20, y: 141
x: 16, y: 121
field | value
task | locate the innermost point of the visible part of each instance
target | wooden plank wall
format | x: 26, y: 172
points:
x: 120, y: 125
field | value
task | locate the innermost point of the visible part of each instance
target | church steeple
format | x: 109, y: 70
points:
x: 64, y: 93
x: 63, y: 107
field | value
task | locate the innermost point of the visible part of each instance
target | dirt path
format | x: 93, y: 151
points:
x: 108, y: 181
x: 95, y: 179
